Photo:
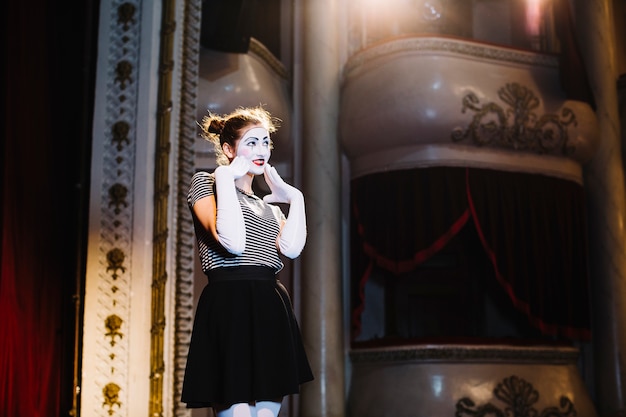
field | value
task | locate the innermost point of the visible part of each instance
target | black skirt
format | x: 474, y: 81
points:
x: 246, y: 344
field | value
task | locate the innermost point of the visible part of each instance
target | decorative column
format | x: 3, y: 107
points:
x: 604, y: 182
x: 321, y: 260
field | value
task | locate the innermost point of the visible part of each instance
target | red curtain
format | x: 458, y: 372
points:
x: 532, y: 229
x: 33, y: 236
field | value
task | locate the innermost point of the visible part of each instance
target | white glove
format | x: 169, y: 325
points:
x: 231, y: 229
x: 292, y: 237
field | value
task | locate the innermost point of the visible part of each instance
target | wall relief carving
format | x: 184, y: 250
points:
x: 519, y: 398
x: 516, y: 125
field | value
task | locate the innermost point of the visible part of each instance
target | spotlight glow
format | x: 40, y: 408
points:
x: 533, y: 17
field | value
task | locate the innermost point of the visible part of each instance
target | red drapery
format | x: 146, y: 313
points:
x: 37, y: 247
x: 532, y: 229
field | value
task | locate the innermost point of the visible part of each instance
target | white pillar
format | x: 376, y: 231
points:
x: 321, y: 260
x: 604, y: 182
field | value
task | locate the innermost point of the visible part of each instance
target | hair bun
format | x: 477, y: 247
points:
x: 216, y: 126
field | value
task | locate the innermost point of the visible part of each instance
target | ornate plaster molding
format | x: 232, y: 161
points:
x: 184, y: 234
x: 467, y: 353
x: 116, y: 214
x: 442, y: 45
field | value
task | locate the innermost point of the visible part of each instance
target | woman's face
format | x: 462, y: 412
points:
x: 255, y: 145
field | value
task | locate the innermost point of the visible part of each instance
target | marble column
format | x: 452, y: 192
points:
x: 604, y: 183
x: 321, y: 260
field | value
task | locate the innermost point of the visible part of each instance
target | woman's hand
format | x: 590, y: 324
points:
x: 237, y: 169
x: 281, y: 192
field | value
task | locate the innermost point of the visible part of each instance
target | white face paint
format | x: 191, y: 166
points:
x: 255, y: 146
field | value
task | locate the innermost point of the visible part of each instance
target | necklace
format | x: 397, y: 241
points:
x: 249, y: 194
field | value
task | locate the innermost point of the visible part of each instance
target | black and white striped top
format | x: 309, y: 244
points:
x: 262, y: 222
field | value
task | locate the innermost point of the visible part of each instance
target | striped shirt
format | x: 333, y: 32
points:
x: 262, y: 222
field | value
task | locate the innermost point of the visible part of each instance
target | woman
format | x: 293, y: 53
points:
x: 246, y: 351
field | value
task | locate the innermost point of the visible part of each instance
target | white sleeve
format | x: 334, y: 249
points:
x: 231, y: 229
x: 293, y: 235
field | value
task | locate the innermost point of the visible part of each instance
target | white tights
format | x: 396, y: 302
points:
x: 258, y: 409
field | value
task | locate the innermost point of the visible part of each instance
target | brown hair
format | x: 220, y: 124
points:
x: 228, y: 128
